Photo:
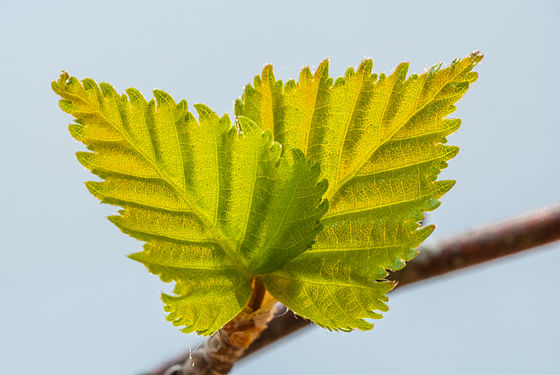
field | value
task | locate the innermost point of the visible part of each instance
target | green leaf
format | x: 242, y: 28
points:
x: 217, y: 205
x: 380, y: 142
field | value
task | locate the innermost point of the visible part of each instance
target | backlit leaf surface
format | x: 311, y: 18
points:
x: 380, y: 142
x: 216, y: 205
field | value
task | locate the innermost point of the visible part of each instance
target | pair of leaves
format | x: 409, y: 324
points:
x: 219, y: 205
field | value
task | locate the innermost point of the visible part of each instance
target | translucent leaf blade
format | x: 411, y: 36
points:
x: 216, y: 205
x: 209, y: 289
x: 380, y: 143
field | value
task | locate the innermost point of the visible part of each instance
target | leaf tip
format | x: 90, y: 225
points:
x: 350, y: 72
x: 116, y: 220
x: 134, y: 256
x: 398, y: 264
x: 107, y: 89
x: 290, y: 85
x: 476, y: 56
x: 444, y: 186
x: 84, y: 158
x: 90, y: 84
x: 452, y: 125
x: 402, y: 69
x: 65, y: 105
x: 434, y: 69
x: 57, y: 85
x: 422, y: 234
x: 238, y: 107
x: 94, y: 187
x: 64, y: 76
x: 305, y: 74
x: 204, y: 112
x: 268, y: 72
x: 452, y: 151
x: 162, y: 98
x: 76, y: 131
x: 366, y: 66
x: 323, y: 68
x: 225, y: 120
x: 339, y: 82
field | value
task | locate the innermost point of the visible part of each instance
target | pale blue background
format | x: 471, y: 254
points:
x: 71, y: 303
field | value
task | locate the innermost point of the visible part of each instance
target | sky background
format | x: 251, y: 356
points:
x: 71, y: 302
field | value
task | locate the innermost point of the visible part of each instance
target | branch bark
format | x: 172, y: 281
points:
x: 484, y: 244
x: 491, y: 242
x: 225, y: 347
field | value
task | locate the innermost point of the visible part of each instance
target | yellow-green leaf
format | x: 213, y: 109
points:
x: 380, y: 142
x: 217, y: 205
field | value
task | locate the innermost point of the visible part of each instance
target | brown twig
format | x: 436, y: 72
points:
x: 225, y: 347
x: 485, y: 244
x: 525, y: 232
